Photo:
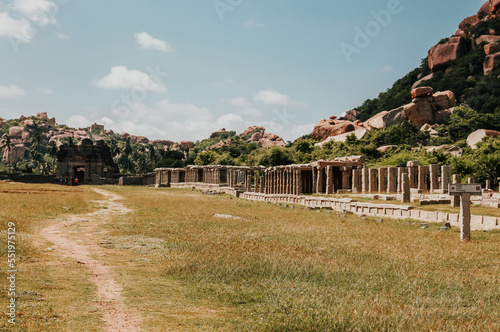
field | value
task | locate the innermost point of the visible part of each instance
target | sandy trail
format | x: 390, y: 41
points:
x: 83, y: 246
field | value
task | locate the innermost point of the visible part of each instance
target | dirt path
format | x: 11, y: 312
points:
x: 83, y: 246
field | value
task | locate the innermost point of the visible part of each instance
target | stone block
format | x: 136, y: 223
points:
x: 490, y: 222
x: 476, y: 220
x: 415, y: 214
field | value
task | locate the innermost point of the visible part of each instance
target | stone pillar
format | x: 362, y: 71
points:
x: 469, y: 181
x: 434, y: 170
x: 372, y: 178
x: 445, y: 178
x: 329, y: 181
x: 401, y: 171
x: 299, y: 182
x: 465, y: 217
x: 382, y: 180
x: 268, y: 183
x: 346, y: 176
x: 488, y: 184
x: 249, y: 181
x: 392, y: 180
x: 455, y: 199
x: 262, y: 187
x: 356, y: 188
x: 405, y: 188
x: 365, y: 180
x: 319, y: 182
x: 314, y: 188
x: 422, y: 177
x: 256, y: 183
x: 413, y: 172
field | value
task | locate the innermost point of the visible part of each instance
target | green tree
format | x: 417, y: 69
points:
x: 276, y: 156
x: 205, y: 158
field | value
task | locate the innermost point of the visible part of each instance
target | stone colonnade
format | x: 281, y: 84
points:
x: 342, y: 175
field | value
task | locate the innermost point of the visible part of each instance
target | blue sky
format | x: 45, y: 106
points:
x: 182, y: 69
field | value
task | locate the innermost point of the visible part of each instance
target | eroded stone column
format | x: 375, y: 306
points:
x: 422, y: 177
x: 346, y: 176
x: 392, y: 180
x: 365, y: 180
x: 356, y: 188
x: 413, y: 172
x: 434, y: 173
x: 329, y: 181
x: 405, y: 188
x: 445, y: 178
x: 314, y: 180
x: 262, y: 183
x: 319, y: 182
x: 372, y: 178
x: 382, y: 180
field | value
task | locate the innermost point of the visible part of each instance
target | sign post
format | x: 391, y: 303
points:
x: 465, y: 191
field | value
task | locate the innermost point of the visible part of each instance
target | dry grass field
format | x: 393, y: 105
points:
x: 183, y: 268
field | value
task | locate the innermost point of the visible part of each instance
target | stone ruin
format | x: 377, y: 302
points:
x: 90, y: 163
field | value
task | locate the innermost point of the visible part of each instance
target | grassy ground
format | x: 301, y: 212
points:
x: 274, y: 269
x: 281, y: 269
x: 51, y: 295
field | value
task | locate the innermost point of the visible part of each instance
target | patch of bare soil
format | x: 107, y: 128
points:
x: 83, y: 246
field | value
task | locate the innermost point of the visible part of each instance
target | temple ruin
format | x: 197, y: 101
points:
x: 90, y: 163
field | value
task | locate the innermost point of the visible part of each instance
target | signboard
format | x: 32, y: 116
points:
x: 457, y: 189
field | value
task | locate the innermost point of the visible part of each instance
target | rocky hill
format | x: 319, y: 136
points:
x: 464, y: 67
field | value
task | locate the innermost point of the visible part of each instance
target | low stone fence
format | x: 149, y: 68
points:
x: 392, y: 211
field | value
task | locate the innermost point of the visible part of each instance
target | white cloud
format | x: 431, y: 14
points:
x: 244, y: 106
x: 148, y: 42
x: 252, y: 23
x: 10, y: 27
x: 40, y: 12
x: 78, y: 121
x: 271, y: 97
x: 230, y: 121
x: 61, y: 36
x: 45, y: 91
x: 122, y: 78
x: 11, y: 92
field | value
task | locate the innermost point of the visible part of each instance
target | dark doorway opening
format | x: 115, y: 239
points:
x: 80, y: 174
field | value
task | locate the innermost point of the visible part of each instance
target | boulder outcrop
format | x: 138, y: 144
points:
x: 478, y: 136
x: 15, y: 154
x: 491, y: 62
x: 260, y: 136
x: 427, y: 107
x: 218, y: 133
x: 252, y: 129
x: 186, y: 145
x: 444, y: 55
x: 333, y: 127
